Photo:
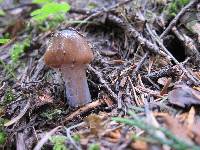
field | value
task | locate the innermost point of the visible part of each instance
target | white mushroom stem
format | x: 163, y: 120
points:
x: 77, y: 90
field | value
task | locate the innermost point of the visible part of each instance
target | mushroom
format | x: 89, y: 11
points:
x: 70, y: 53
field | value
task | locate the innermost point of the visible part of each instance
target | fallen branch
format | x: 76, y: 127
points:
x: 135, y: 34
x: 82, y: 110
x: 163, y: 72
x: 103, y: 82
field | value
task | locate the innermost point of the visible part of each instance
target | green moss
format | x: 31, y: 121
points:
x: 9, y: 96
x: 59, y: 142
x: 174, y: 7
x: 94, y: 147
x: 51, y: 113
x: 18, y: 49
x: 3, y: 137
x: 76, y: 137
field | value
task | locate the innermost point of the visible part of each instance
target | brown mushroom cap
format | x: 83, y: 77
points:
x: 67, y: 47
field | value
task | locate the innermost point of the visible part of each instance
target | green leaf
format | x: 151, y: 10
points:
x: 58, y: 139
x: 18, y: 49
x: 4, y: 41
x: 59, y: 142
x: 49, y: 9
x: 94, y: 147
x: 76, y: 137
x: 42, y: 1
x: 2, y: 13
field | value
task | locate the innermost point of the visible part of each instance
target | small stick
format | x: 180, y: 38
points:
x: 136, y: 35
x: 82, y: 110
x: 139, y: 65
x: 134, y: 92
x: 163, y: 72
x: 102, y: 81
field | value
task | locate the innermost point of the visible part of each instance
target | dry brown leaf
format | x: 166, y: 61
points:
x: 176, y: 127
x: 190, y: 118
x: 114, y: 134
x: 139, y: 145
x: 95, y: 124
x: 188, y: 131
x: 196, y: 132
x: 166, y: 86
x: 184, y: 96
x: 15, y: 27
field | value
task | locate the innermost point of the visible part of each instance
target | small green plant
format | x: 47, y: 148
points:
x: 42, y: 1
x: 50, y: 9
x: 18, y: 49
x: 9, y: 96
x: 2, y: 40
x: 2, y: 13
x: 59, y: 142
x: 175, y: 6
x: 50, y: 15
x: 76, y: 138
x: 8, y: 69
x: 94, y: 147
x: 50, y: 114
x: 3, y: 137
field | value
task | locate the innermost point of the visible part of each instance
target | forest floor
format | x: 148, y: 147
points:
x: 144, y: 79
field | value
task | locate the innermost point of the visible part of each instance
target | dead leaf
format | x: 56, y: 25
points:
x: 185, y: 129
x: 176, y: 127
x: 184, y: 96
x: 115, y: 134
x: 166, y: 85
x: 95, y: 124
x: 16, y: 27
x: 196, y: 132
x: 139, y: 145
x: 190, y: 118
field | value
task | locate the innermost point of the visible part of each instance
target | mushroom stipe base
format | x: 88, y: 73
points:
x: 77, y: 91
